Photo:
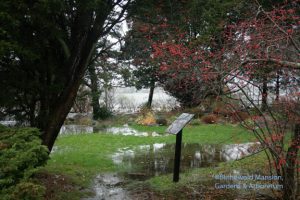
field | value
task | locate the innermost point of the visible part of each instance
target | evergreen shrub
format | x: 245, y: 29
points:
x: 21, y: 153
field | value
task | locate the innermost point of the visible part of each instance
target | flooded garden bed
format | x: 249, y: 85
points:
x: 121, y: 130
x: 146, y: 161
x: 116, y: 165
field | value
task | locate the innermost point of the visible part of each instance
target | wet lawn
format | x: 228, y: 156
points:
x: 82, y: 156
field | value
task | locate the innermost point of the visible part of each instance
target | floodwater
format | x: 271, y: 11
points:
x: 8, y: 122
x: 146, y: 161
x: 124, y: 130
x: 109, y: 187
x: 76, y: 129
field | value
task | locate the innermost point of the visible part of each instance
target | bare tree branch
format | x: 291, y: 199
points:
x: 283, y: 63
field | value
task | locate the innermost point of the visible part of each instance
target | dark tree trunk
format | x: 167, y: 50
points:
x: 95, y: 92
x: 32, y: 113
x: 106, y: 97
x: 83, y: 41
x: 58, y: 116
x: 151, y: 93
x: 61, y: 108
x: 289, y: 182
x: 277, y: 87
x: 264, y: 98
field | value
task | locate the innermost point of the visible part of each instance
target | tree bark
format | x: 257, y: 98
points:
x: 289, y: 182
x: 58, y: 116
x: 151, y: 93
x: 95, y: 92
x: 83, y: 41
x: 264, y: 98
x: 277, y: 87
x: 65, y: 102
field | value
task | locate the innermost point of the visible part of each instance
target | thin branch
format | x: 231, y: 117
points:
x: 107, y: 29
x: 283, y: 63
x: 279, y: 28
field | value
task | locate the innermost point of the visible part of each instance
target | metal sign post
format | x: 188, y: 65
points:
x: 176, y: 128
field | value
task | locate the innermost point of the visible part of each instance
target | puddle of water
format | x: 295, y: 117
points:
x: 109, y: 187
x: 237, y: 151
x: 8, y: 122
x: 146, y: 161
x: 126, y: 130
x: 75, y: 129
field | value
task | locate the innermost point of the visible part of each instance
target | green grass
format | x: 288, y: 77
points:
x: 82, y: 156
x: 92, y: 151
x: 248, y: 165
x: 206, y: 134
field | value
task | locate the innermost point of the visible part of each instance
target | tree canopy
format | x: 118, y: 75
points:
x: 45, y: 50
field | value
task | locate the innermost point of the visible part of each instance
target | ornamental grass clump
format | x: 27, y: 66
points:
x: 209, y: 119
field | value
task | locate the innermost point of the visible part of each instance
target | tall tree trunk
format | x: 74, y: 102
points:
x: 106, y: 97
x: 277, y: 86
x: 58, y: 116
x: 85, y: 33
x: 264, y: 98
x: 95, y: 92
x: 151, y: 93
x: 86, y: 29
x: 77, y: 63
x: 289, y: 182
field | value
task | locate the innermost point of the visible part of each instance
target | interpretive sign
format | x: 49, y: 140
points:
x: 176, y: 128
x: 180, y: 123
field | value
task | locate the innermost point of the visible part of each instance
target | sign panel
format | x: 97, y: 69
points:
x: 179, y: 123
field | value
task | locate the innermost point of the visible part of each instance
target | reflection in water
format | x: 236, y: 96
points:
x: 109, y: 186
x: 156, y: 159
x: 75, y: 129
x: 237, y: 151
x: 8, y: 123
x: 126, y: 130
